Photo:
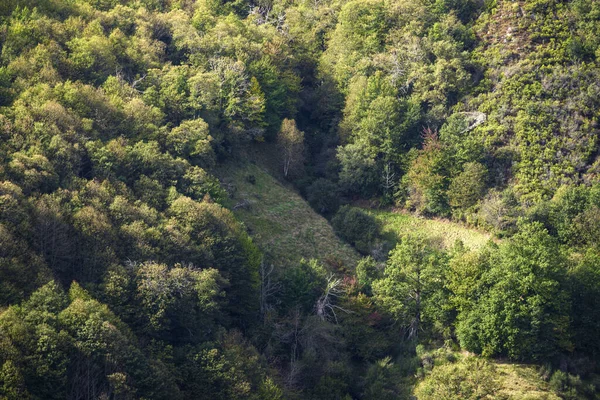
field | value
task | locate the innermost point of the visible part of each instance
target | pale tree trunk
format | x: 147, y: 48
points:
x: 267, y: 287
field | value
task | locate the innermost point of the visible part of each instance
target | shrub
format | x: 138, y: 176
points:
x: 426, y: 180
x: 191, y: 140
x: 356, y: 227
x: 500, y: 211
x: 367, y: 272
x: 323, y: 196
x: 467, y: 187
x: 473, y: 378
x: 251, y: 179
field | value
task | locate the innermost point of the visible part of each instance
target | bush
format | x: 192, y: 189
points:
x: 566, y: 385
x: 191, y: 140
x: 367, y: 271
x: 323, y: 196
x: 467, y: 187
x: 523, y: 313
x: 302, y: 285
x: 500, y: 211
x: 356, y: 227
x: 251, y: 179
x: 426, y: 181
x: 472, y: 378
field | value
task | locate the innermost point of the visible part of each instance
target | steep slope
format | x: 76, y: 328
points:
x: 539, y: 92
x: 281, y: 223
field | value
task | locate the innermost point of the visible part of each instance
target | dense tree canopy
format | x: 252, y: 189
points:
x: 125, y: 273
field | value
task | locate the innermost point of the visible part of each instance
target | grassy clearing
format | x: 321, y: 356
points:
x: 511, y: 381
x: 446, y: 233
x: 281, y: 223
x: 523, y: 382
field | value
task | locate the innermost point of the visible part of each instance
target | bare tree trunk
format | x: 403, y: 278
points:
x: 267, y: 287
x: 388, y: 179
x: 415, y: 323
x: 286, y: 166
x: 294, y: 371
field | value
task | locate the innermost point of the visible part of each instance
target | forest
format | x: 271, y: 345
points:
x: 299, y: 199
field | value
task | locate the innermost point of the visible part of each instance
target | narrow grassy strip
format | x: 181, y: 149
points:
x: 444, y: 232
x: 523, y: 381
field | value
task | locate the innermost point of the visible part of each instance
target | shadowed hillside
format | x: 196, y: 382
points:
x: 279, y: 220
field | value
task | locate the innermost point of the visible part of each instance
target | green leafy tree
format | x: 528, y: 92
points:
x: 323, y: 195
x: 179, y: 302
x: 583, y: 279
x: 468, y: 187
x: 525, y: 312
x: 302, y: 285
x: 384, y: 381
x: 93, y: 55
x: 191, y: 140
x: 426, y: 181
x: 359, y: 168
x: 411, y: 288
x: 360, y: 33
x: 367, y: 272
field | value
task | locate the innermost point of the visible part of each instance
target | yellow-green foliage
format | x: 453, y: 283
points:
x: 465, y: 376
x: 444, y: 232
x: 522, y: 382
x: 117, y: 117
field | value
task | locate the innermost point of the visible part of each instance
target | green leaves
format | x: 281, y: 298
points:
x: 427, y: 178
x: 469, y: 379
x: 356, y: 227
x: 191, y: 140
x: 360, y: 33
x: 173, y: 299
x: 468, y: 187
x: 412, y: 285
x: 303, y: 284
x: 524, y: 313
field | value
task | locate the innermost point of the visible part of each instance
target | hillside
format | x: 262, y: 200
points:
x: 519, y: 381
x: 279, y: 220
x: 494, y: 380
x: 182, y: 191
x: 396, y: 223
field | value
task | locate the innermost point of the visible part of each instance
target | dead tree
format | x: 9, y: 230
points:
x: 326, y: 307
x: 388, y: 179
